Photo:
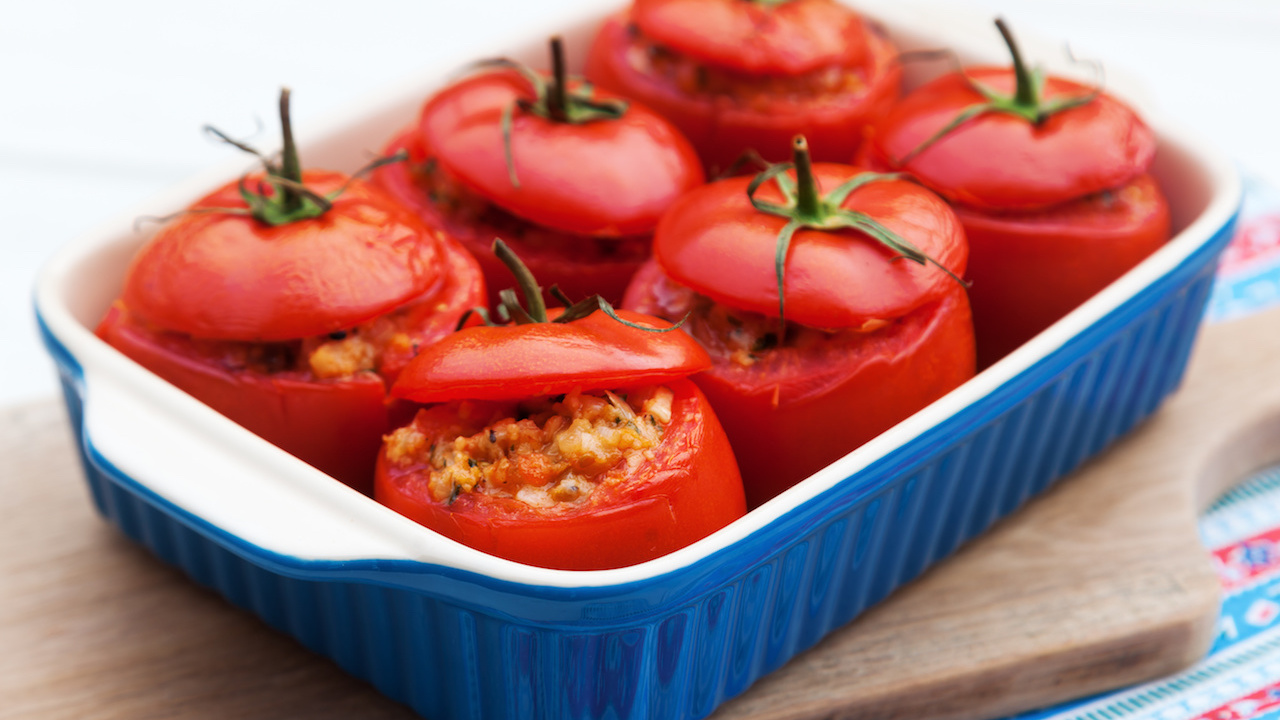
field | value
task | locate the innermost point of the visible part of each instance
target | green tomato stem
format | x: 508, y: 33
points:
x: 290, y: 166
x: 808, y: 200
x: 1027, y: 94
x: 557, y: 98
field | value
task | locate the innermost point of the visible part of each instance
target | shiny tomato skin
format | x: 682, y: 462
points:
x: 794, y: 412
x: 689, y: 489
x: 1030, y: 269
x: 722, y: 127
x: 580, y: 266
x: 714, y: 241
x: 334, y: 425
x: 606, y: 178
x: 997, y: 161
x: 541, y: 359
x: 796, y: 37
x: 230, y: 277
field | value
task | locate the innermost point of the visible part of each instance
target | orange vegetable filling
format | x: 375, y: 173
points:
x: 541, y: 452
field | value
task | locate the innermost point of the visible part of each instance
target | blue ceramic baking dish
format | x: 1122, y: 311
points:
x: 458, y: 634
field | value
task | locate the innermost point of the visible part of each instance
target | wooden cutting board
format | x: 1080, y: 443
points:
x: 1100, y: 583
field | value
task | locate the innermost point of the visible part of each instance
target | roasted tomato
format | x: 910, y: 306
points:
x: 828, y: 318
x: 288, y: 301
x: 572, y: 179
x: 568, y: 440
x: 1049, y: 178
x: 739, y: 75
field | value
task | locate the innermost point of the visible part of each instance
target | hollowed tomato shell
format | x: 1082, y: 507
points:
x: 688, y: 489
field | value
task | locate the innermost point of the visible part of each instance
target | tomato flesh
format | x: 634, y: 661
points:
x: 580, y: 266
x: 1053, y: 213
x: 603, y: 178
x: 790, y: 39
x: 805, y: 401
x: 227, y: 276
x: 714, y: 241
x: 1031, y: 269
x: 998, y: 161
x: 725, y: 111
x: 685, y: 489
x: 509, y: 362
x: 335, y: 424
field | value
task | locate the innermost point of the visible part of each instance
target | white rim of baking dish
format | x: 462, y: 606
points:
x: 206, y: 465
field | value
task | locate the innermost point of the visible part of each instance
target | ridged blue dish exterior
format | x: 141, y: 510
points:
x: 454, y: 644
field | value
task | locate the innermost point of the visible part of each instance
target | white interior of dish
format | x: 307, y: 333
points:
x: 216, y: 470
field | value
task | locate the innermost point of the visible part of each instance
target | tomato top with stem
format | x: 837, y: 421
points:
x: 282, y: 255
x: 1011, y: 138
x: 556, y: 152
x: 586, y: 345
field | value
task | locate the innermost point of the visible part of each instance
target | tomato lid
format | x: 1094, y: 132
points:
x: 230, y: 277
x: 716, y: 242
x: 999, y: 160
x: 756, y: 37
x: 511, y: 362
x: 602, y: 177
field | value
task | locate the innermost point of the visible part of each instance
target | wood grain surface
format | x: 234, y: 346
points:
x: 1099, y: 583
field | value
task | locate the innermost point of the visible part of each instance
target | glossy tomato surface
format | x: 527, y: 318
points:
x: 539, y: 359
x: 335, y: 424
x: 581, y: 266
x: 730, y: 83
x: 998, y: 161
x: 715, y: 242
x: 605, y: 178
x: 230, y: 277
x: 796, y: 408
x: 686, y: 490
x: 791, y: 38
x: 1053, y: 212
x: 1031, y: 269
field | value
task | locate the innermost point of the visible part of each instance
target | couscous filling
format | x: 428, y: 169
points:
x: 542, y: 452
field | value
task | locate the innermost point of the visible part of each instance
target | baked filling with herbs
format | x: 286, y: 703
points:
x: 544, y: 453
x: 740, y: 337
x: 339, y: 355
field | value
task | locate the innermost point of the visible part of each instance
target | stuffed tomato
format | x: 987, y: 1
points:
x: 738, y: 75
x: 1049, y: 178
x: 828, y: 318
x: 572, y: 179
x: 288, y: 301
x: 571, y: 439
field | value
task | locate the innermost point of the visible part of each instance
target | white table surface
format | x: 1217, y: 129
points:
x: 103, y: 102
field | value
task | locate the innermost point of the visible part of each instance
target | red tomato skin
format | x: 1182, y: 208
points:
x: 230, y: 277
x: 797, y: 37
x: 1031, y: 269
x: 511, y: 362
x: 998, y: 161
x: 790, y: 419
x: 333, y: 425
x: 689, y: 489
x: 581, y: 266
x: 714, y: 241
x: 722, y: 129
x: 608, y: 178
